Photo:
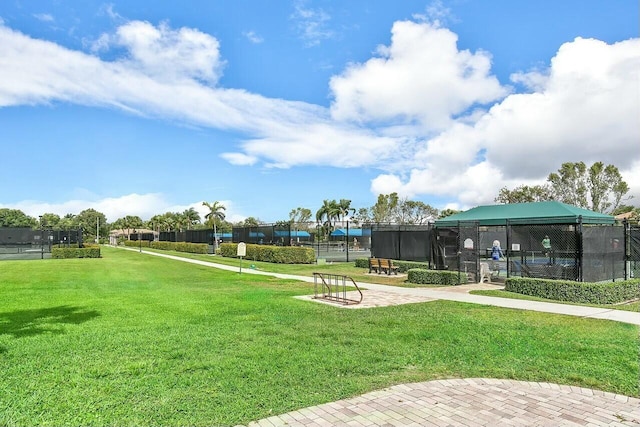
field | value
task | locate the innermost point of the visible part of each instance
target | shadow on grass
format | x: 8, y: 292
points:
x: 24, y: 323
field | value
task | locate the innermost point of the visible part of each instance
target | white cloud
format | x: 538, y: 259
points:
x: 164, y: 53
x: 312, y: 24
x: 420, y: 78
x: 239, y: 159
x: 587, y: 110
x: 417, y: 111
x: 253, y: 37
x: 44, y: 17
x: 143, y: 205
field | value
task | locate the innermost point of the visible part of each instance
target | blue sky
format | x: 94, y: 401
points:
x: 138, y: 108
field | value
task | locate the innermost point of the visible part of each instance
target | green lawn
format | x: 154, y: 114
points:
x: 133, y: 339
x: 347, y: 268
x: 628, y: 306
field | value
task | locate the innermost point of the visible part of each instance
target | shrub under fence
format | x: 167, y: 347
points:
x: 88, y: 251
x: 269, y: 253
x: 193, y: 248
x: 581, y: 292
x: 421, y: 276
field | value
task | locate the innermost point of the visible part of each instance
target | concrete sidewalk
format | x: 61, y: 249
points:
x: 447, y: 293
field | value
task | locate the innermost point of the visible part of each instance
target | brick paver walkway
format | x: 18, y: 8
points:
x: 470, y: 402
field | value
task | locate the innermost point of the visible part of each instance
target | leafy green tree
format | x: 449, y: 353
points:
x: 623, y: 209
x: 599, y: 187
x: 299, y: 218
x: 383, y: 210
x: 363, y: 216
x: 50, y: 220
x: 69, y: 222
x: 16, y: 218
x: 447, y: 212
x: 414, y: 212
x: 524, y: 194
x: 89, y: 220
x: 250, y: 222
x: 606, y: 187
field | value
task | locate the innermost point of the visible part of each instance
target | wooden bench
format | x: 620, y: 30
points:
x: 382, y: 264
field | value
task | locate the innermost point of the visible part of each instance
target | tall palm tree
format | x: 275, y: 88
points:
x: 192, y: 217
x: 328, y: 212
x: 344, y: 208
x: 215, y: 215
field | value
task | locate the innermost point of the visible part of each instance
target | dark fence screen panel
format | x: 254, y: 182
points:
x: 402, y: 242
x: 603, y: 253
x: 25, y: 243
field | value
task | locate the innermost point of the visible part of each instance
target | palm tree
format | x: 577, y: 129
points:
x: 216, y: 214
x: 327, y: 213
x: 192, y: 216
x: 344, y: 207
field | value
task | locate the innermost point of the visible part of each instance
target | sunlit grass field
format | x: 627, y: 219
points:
x: 132, y: 339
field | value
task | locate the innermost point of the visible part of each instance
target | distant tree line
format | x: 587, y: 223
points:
x: 599, y: 188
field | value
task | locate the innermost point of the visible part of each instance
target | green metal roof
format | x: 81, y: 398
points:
x: 527, y: 213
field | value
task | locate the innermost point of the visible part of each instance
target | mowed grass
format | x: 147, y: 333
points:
x: 501, y: 293
x: 132, y: 339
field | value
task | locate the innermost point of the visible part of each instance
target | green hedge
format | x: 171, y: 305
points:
x: 269, y: 253
x: 423, y: 276
x: 192, y: 248
x: 560, y: 290
x: 362, y: 262
x: 89, y: 251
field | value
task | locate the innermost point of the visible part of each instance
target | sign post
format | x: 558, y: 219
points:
x: 242, y: 252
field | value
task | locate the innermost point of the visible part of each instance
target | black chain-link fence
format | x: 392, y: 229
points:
x: 25, y: 243
x: 405, y: 242
x: 589, y: 253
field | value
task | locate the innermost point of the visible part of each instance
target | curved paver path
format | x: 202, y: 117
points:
x: 469, y: 402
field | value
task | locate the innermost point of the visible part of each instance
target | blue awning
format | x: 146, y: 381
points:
x: 352, y: 232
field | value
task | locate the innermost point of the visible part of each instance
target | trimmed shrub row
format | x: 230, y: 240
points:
x: 423, y: 276
x: 192, y: 248
x: 269, y: 253
x: 89, y: 251
x: 591, y: 293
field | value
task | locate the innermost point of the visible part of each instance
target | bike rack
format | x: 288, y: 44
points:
x: 333, y: 287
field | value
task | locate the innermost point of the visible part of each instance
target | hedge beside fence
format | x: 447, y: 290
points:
x: 269, y: 253
x: 86, y: 252
x: 560, y: 290
x: 422, y: 276
x: 193, y: 248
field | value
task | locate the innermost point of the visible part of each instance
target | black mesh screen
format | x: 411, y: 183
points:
x: 603, y: 253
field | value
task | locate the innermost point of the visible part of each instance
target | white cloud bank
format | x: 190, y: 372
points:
x: 437, y: 120
x: 143, y: 205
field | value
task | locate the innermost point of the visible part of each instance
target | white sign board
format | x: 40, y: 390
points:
x: 242, y: 249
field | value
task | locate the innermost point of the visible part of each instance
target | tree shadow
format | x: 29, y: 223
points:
x: 25, y: 323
